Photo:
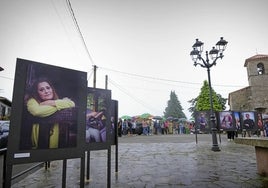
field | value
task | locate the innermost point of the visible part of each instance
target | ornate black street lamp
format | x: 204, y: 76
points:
x: 215, y: 54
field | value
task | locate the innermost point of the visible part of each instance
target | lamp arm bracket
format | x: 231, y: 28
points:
x: 214, y: 61
x: 205, y: 63
x: 195, y: 64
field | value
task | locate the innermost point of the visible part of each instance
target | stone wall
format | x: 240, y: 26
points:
x: 255, y: 96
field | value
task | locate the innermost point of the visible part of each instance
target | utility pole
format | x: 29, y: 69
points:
x: 106, y: 81
x: 94, y: 79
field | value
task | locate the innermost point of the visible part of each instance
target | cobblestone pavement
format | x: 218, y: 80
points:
x: 160, y: 161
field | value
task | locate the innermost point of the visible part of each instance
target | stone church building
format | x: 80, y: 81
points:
x: 255, y: 96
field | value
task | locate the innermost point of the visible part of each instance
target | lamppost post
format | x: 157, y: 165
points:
x: 215, y: 146
x: 198, y: 60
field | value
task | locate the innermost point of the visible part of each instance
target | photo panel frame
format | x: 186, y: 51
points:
x: 202, y: 121
x: 114, y: 120
x: 237, y: 119
x: 226, y: 121
x: 48, y: 110
x: 98, y: 119
x: 248, y: 119
x: 259, y: 121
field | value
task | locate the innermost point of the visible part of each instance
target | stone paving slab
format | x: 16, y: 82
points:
x: 164, y: 162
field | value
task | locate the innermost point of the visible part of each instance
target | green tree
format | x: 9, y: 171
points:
x: 202, y: 102
x: 174, y: 108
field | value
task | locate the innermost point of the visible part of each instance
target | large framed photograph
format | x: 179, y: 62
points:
x: 48, y: 110
x: 202, y: 120
x: 226, y: 121
x: 237, y: 119
x: 259, y: 122
x: 248, y: 120
x: 98, y: 118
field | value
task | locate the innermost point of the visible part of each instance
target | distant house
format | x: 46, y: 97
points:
x: 253, y: 97
x: 5, y: 108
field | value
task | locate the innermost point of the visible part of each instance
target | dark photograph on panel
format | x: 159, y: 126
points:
x: 248, y: 123
x: 98, y: 119
x: 202, y: 120
x: 260, y: 125
x: 237, y: 120
x: 50, y: 108
x: 226, y: 121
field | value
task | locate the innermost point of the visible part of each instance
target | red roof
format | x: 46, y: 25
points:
x: 256, y: 57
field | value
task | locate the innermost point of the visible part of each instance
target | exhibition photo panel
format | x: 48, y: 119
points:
x: 237, y: 118
x: 249, y: 126
x: 98, y: 118
x: 226, y: 121
x: 202, y: 119
x: 50, y: 106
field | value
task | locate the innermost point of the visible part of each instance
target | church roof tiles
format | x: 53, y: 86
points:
x: 255, y: 57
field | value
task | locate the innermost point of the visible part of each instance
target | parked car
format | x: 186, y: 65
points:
x: 4, y: 131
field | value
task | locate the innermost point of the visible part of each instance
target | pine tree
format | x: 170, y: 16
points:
x: 202, y: 102
x: 174, y: 108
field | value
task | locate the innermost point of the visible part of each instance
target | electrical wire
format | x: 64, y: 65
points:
x: 61, y: 21
x: 136, y: 75
x: 162, y: 79
x: 7, y: 78
x: 79, y: 30
x: 143, y: 103
x: 91, y: 73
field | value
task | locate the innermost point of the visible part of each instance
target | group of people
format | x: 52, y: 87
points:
x: 125, y: 127
x: 149, y: 127
x: 130, y: 127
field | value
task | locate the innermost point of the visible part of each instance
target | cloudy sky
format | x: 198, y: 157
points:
x: 143, y: 46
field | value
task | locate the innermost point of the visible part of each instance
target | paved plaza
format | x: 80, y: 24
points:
x: 160, y: 161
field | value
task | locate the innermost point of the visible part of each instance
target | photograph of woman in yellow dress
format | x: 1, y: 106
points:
x: 50, y: 115
x: 43, y: 103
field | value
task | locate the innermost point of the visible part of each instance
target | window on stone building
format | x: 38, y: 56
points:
x: 260, y: 68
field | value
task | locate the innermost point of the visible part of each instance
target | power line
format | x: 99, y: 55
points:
x: 78, y: 29
x: 136, y: 75
x: 162, y: 79
x: 7, y: 78
x: 131, y: 96
x: 63, y: 25
x: 91, y: 73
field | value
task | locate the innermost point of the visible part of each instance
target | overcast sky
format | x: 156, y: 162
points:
x: 143, y: 46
